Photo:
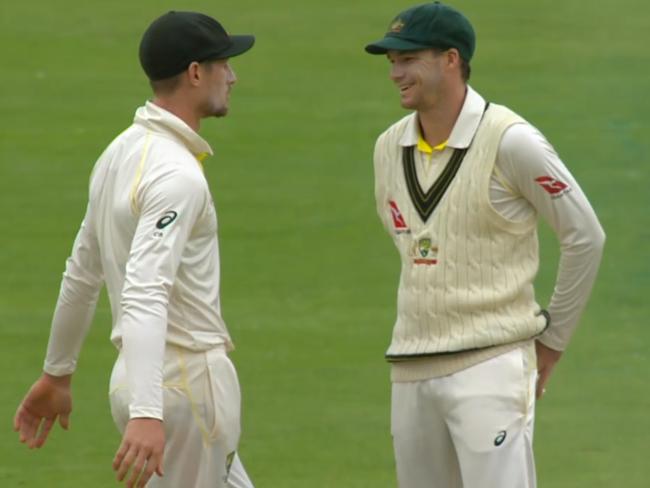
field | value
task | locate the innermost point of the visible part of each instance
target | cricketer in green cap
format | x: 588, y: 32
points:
x: 459, y: 183
x: 431, y: 25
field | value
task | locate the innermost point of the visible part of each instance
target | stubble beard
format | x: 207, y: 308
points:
x: 220, y: 112
x: 213, y: 110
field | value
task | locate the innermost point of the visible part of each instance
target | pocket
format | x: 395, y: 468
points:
x: 225, y: 402
x: 487, y: 402
x: 529, y: 359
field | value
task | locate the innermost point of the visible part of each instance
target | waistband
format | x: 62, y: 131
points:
x: 437, y: 366
x: 214, y: 349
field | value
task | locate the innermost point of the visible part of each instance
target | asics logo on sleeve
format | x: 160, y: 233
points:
x: 166, y: 219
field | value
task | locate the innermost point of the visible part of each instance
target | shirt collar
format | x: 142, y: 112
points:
x: 423, y: 146
x: 159, y: 120
x: 464, y: 129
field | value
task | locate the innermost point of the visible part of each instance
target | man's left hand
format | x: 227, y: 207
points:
x: 546, y: 361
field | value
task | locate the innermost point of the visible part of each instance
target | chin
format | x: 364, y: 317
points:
x: 408, y: 104
x: 219, y: 111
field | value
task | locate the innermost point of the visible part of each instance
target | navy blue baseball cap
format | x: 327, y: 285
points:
x: 176, y: 39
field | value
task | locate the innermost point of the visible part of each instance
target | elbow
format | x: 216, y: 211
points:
x: 145, y: 298
x: 599, y: 239
x: 76, y: 289
x: 594, y: 245
x: 586, y: 241
x: 595, y: 242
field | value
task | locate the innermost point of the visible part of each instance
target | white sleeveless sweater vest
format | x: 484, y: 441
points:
x: 467, y: 272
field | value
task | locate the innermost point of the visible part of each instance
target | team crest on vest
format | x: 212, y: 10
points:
x: 399, y: 224
x: 424, y: 252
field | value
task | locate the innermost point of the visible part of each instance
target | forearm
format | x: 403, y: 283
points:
x: 577, y: 271
x: 69, y: 328
x: 143, y: 346
x: 74, y: 311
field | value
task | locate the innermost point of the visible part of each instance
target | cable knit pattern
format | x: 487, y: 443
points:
x: 467, y: 272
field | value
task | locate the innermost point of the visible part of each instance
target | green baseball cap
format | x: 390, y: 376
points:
x: 426, y: 26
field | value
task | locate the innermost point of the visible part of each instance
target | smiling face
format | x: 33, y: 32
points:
x: 420, y: 77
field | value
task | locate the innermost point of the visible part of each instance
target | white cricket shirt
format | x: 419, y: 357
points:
x: 149, y: 234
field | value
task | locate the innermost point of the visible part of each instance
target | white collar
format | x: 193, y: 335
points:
x: 464, y: 129
x: 158, y: 119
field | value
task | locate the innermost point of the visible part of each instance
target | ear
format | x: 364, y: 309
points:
x: 193, y: 73
x: 452, y: 58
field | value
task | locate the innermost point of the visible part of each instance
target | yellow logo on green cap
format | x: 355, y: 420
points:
x: 397, y: 25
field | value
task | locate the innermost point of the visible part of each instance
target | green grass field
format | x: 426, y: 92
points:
x: 309, y: 277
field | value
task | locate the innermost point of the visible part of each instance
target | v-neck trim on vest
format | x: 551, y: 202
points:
x: 426, y: 202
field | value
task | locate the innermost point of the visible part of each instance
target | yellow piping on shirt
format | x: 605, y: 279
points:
x: 138, y: 174
x: 200, y: 158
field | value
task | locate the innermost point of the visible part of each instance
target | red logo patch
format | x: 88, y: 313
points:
x: 398, y: 220
x: 551, y: 185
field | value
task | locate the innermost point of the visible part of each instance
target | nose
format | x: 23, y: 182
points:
x: 232, y: 77
x: 396, y: 72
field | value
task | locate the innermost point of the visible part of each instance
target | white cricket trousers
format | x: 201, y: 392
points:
x: 201, y: 409
x: 471, y: 429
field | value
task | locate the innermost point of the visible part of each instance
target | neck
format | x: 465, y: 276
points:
x: 181, y: 109
x: 437, y: 121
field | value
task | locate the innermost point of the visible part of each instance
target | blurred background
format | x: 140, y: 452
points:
x: 309, y: 276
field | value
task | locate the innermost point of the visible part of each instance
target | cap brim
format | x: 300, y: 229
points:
x: 240, y: 44
x: 393, y: 44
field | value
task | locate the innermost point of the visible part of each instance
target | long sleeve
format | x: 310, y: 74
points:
x: 80, y: 287
x: 380, y: 187
x: 535, y: 173
x: 169, y: 204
